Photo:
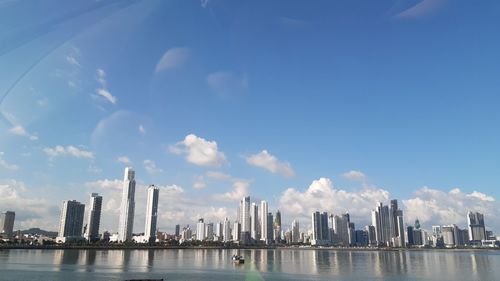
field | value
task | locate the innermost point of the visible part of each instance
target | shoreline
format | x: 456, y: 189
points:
x: 135, y: 247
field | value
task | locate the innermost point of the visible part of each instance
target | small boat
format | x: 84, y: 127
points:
x: 238, y: 259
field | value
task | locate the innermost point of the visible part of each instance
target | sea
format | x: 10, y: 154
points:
x: 260, y: 264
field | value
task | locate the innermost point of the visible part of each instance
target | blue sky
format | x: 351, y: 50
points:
x: 357, y: 100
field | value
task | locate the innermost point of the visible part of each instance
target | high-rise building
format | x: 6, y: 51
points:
x: 236, y: 231
x: 372, y: 237
x: 396, y: 222
x: 269, y: 228
x: 245, y: 214
x: 219, y: 229
x: 200, y: 230
x: 7, y: 223
x: 187, y: 233
x: 254, y: 227
x: 94, y: 217
x: 151, y: 213
x: 381, y: 222
x: 177, y: 230
x: 319, y: 228
x: 341, y: 229
x: 277, y: 226
x: 126, y: 223
x: 295, y: 232
x: 209, y: 231
x: 448, y: 233
x: 477, y: 230
x: 71, y: 221
x: 263, y: 221
x: 226, y: 233
x: 409, y: 233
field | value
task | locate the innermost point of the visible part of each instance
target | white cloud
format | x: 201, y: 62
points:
x: 269, y: 162
x: 204, y: 3
x: 199, y: 183
x: 19, y: 130
x: 107, y: 95
x: 322, y: 196
x: 7, y: 165
x: 102, y: 90
x: 69, y: 150
x: 199, y: 151
x: 124, y: 159
x: 173, y: 58
x: 150, y: 167
x: 240, y: 190
x: 226, y: 83
x: 142, y: 130
x: 354, y: 175
x: 30, y: 212
x: 436, y: 207
x: 72, y: 60
x: 101, y: 77
x: 106, y: 184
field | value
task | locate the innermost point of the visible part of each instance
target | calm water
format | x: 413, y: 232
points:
x: 285, y: 264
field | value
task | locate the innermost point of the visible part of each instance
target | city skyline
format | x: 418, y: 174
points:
x: 335, y: 103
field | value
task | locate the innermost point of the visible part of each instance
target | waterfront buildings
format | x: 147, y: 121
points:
x: 71, y: 221
x: 200, y: 230
x: 226, y: 232
x: 126, y: 222
x: 320, y: 228
x: 151, y: 213
x: 7, y: 223
x: 295, y: 232
x: 263, y: 222
x: 277, y: 227
x: 94, y: 217
x: 477, y: 230
x: 254, y: 226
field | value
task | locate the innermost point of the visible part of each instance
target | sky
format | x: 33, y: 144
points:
x: 310, y: 105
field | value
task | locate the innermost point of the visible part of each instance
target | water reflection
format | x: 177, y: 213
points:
x: 295, y: 264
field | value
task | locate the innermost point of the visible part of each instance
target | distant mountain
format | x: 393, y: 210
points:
x: 39, y: 231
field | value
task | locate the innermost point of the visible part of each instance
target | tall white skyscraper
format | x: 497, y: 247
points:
x: 245, y: 214
x: 200, y: 230
x: 94, y: 217
x: 7, y: 223
x: 254, y: 227
x: 263, y: 221
x: 382, y: 224
x: 219, y: 231
x: 151, y: 213
x: 71, y: 220
x: 126, y: 223
x: 295, y: 231
x: 226, y: 232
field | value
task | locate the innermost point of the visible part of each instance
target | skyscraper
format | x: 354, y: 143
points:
x: 151, y: 213
x: 219, y: 230
x: 7, y: 223
x: 226, y: 233
x: 263, y: 221
x: 269, y: 228
x: 236, y: 232
x: 477, y: 230
x: 126, y: 223
x: 209, y: 231
x: 295, y: 231
x: 277, y: 226
x: 71, y: 220
x: 381, y: 222
x: 319, y: 228
x: 245, y: 214
x: 341, y: 229
x: 200, y: 230
x: 177, y: 230
x: 94, y: 217
x: 254, y: 212
x: 396, y: 225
